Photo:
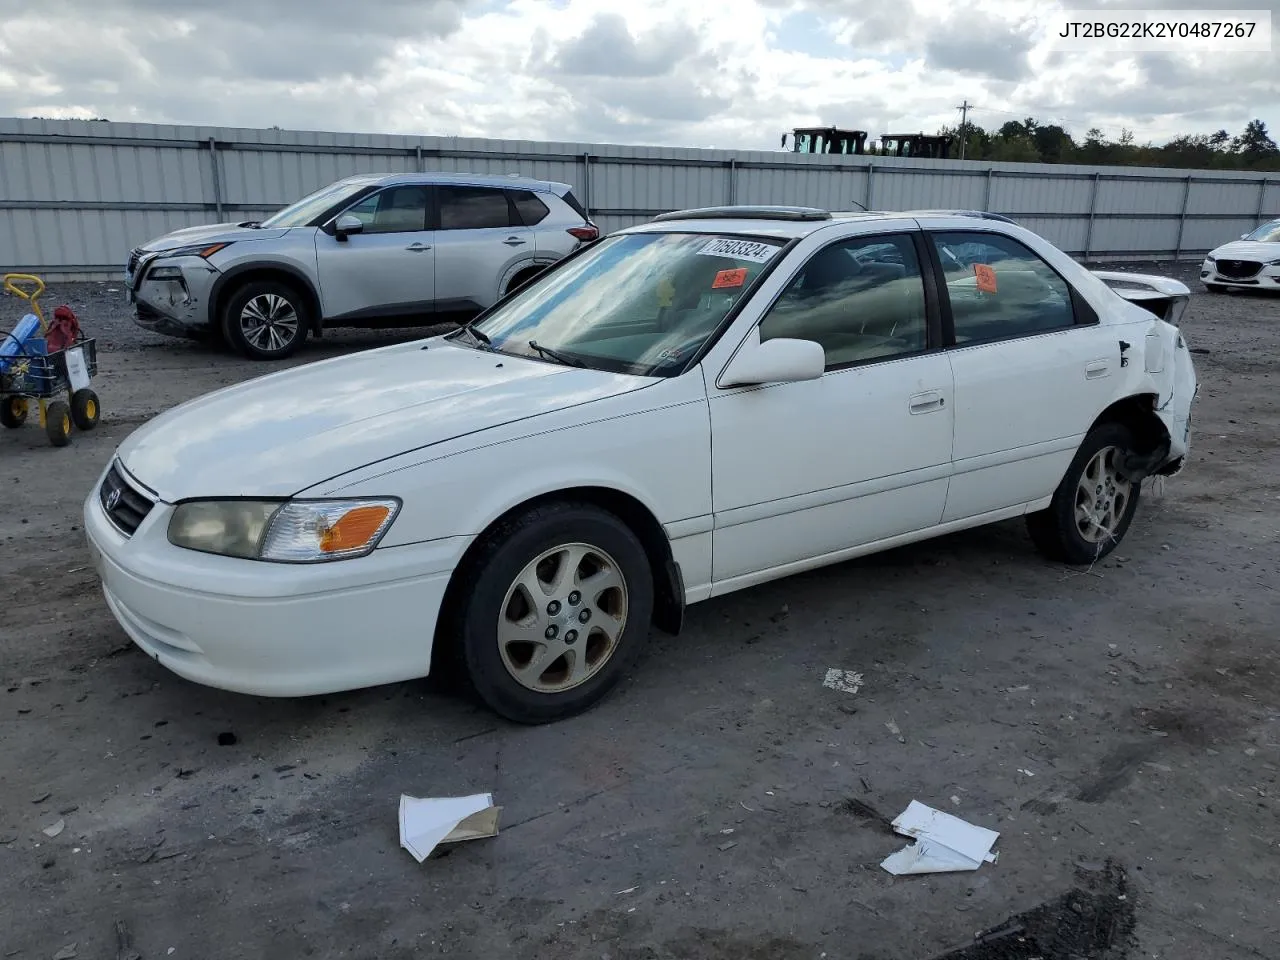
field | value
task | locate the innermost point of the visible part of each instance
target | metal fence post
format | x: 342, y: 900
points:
x: 986, y: 199
x: 417, y: 150
x: 1093, y: 205
x: 217, y: 176
x: 733, y: 181
x: 586, y: 183
x: 1262, y: 199
x: 871, y: 172
x: 1182, y: 219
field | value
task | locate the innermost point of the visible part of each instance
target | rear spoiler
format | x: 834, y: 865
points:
x: 1165, y: 297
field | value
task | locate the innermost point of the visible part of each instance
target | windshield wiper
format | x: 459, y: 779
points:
x: 555, y: 355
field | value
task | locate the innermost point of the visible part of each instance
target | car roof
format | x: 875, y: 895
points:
x: 784, y: 222
x: 468, y: 179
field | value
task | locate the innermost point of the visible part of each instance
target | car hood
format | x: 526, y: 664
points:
x: 210, y: 233
x: 1247, y: 250
x: 279, y: 434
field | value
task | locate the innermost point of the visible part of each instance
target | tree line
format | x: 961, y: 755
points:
x: 1033, y: 142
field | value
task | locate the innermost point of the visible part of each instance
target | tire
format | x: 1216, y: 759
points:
x: 85, y: 409
x: 265, y: 320
x: 13, y: 411
x: 485, y: 624
x: 523, y: 277
x: 57, y: 423
x: 1056, y: 531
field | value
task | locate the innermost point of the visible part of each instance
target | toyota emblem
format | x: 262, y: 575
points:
x: 113, y: 498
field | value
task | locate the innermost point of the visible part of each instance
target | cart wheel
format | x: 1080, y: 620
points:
x: 85, y: 408
x: 57, y: 423
x: 13, y: 411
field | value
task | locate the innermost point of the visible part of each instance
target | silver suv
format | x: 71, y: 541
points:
x: 367, y: 251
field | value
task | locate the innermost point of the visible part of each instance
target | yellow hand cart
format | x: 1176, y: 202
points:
x: 32, y: 377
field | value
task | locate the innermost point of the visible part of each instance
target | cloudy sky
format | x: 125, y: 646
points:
x: 722, y: 73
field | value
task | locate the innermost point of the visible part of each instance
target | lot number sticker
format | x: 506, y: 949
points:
x: 751, y: 250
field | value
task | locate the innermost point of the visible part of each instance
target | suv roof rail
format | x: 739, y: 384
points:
x: 978, y: 214
x: 746, y: 212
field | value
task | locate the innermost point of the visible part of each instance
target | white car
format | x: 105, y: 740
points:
x: 685, y: 408
x: 1252, y: 262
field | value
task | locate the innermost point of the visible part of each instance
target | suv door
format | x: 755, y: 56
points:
x: 479, y: 238
x: 387, y: 270
x: 802, y: 470
x: 1032, y: 367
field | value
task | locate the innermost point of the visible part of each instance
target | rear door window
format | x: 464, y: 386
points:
x: 473, y: 208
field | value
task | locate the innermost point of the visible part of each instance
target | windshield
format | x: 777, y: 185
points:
x: 1267, y: 233
x: 640, y: 303
x: 308, y: 208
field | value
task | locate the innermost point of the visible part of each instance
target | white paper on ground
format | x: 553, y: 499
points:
x: 846, y: 681
x: 944, y: 844
x: 428, y: 821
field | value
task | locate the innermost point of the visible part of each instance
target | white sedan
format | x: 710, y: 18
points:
x: 1250, y: 263
x: 688, y: 407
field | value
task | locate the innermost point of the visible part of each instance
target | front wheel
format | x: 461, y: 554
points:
x: 13, y: 411
x: 57, y: 423
x: 1093, y: 505
x: 559, y: 606
x: 265, y: 320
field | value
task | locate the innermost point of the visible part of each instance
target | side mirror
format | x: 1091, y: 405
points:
x: 346, y: 225
x: 775, y: 361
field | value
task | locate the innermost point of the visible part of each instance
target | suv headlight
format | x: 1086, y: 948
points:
x: 1210, y: 260
x: 291, y: 531
x: 203, y: 250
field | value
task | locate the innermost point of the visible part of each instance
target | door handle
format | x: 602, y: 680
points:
x: 513, y: 241
x: 418, y: 247
x: 1099, y: 368
x: 927, y: 402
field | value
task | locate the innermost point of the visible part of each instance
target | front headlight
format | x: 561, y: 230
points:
x: 1210, y: 260
x: 293, y: 531
x: 204, y: 250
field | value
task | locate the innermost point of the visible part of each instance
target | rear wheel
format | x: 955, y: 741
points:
x: 13, y: 412
x: 1093, y: 505
x: 522, y: 278
x: 85, y: 409
x: 265, y: 320
x: 558, y: 607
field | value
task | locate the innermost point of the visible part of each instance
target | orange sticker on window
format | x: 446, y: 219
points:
x: 986, y: 277
x: 730, y: 278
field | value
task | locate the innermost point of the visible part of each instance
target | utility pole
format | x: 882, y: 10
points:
x: 964, y: 114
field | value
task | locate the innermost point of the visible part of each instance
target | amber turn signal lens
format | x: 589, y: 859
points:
x: 354, y: 529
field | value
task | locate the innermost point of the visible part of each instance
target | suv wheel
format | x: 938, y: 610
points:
x: 265, y: 320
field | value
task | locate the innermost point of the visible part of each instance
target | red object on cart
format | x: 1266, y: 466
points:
x: 64, y: 331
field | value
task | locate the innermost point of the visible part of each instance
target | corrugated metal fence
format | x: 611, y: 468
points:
x: 76, y: 196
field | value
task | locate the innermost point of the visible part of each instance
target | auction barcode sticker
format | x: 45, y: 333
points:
x: 1137, y: 31
x: 751, y: 250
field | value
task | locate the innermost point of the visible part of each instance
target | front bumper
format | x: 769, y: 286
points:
x: 1268, y: 278
x: 179, y: 307
x: 267, y: 629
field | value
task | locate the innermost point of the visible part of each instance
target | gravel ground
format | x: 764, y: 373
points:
x: 1118, y: 726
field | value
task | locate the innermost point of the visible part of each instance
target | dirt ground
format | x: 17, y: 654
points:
x: 1119, y: 727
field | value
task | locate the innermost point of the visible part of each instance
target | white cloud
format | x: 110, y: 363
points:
x: 730, y: 73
